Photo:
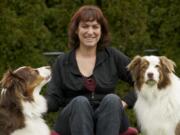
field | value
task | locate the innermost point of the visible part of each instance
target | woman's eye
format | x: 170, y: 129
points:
x: 84, y: 26
x: 95, y: 27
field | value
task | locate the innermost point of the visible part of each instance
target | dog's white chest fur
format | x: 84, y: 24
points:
x: 34, y: 123
x: 158, y: 110
x: 31, y: 128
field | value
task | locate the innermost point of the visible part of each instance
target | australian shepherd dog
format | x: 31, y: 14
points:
x: 158, y: 95
x: 21, y: 105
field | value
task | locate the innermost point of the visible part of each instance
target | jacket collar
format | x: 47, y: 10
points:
x: 102, y: 55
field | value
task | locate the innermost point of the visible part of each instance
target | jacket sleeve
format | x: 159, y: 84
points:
x: 122, y: 61
x: 54, y: 93
x: 130, y: 98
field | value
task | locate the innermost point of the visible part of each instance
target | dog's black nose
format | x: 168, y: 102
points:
x: 150, y: 75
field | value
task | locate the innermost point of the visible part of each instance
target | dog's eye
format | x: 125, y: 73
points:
x: 144, y: 65
x: 157, y: 66
x: 36, y: 71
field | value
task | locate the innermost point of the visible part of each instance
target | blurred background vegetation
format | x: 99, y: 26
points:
x: 28, y: 28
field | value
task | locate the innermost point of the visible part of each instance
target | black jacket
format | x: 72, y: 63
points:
x: 67, y: 81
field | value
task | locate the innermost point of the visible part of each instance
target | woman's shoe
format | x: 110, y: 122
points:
x: 130, y: 131
x: 54, y: 133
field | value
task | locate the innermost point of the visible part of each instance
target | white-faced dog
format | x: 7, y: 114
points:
x: 158, y: 95
x: 21, y: 105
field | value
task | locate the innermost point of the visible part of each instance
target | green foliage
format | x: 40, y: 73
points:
x: 50, y: 118
x: 30, y: 27
x: 128, y: 21
x: 23, y: 35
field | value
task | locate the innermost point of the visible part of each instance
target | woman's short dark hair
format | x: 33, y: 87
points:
x: 88, y: 13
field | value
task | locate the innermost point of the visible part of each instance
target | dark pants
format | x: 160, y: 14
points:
x: 79, y: 118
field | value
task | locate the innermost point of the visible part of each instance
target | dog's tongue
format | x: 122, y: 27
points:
x: 151, y: 82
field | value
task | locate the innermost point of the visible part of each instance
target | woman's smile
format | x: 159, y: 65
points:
x: 89, y: 33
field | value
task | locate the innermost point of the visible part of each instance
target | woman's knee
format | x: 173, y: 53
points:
x: 112, y: 99
x: 80, y: 101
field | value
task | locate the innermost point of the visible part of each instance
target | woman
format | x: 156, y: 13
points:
x: 84, y: 80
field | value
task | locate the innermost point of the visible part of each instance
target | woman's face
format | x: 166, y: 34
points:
x: 89, y: 33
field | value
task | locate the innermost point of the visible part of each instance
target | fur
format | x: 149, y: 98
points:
x: 21, y: 105
x: 158, y: 95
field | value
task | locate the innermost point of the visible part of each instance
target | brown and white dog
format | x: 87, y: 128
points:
x: 158, y: 95
x: 21, y: 105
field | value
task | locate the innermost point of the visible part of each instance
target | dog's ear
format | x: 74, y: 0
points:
x: 11, y: 82
x: 134, y: 63
x: 167, y: 63
x: 134, y: 67
x: 7, y: 79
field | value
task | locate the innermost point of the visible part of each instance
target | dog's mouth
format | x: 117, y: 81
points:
x: 151, y: 82
x: 48, y: 78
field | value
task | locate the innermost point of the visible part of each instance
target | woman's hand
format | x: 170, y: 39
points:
x: 124, y: 104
